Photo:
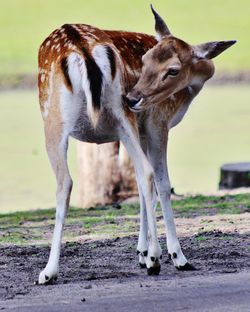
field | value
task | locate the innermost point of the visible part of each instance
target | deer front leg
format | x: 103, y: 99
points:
x: 145, y: 179
x: 157, y: 154
x: 57, y: 150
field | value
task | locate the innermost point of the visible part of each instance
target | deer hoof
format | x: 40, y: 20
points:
x: 142, y: 265
x: 154, y: 270
x: 186, y: 267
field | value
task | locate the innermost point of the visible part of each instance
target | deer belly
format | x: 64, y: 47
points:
x: 85, y: 132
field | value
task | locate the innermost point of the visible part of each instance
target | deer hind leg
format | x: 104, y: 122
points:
x: 57, y: 144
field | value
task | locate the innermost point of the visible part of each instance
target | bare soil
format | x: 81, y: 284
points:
x: 211, y: 252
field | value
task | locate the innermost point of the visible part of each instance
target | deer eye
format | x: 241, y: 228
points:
x: 171, y: 72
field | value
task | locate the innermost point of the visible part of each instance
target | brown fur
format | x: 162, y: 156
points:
x: 55, y: 48
x: 169, y: 52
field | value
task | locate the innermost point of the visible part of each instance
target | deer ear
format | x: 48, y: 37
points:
x: 160, y: 26
x: 210, y: 50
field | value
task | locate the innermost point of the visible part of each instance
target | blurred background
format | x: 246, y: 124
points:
x: 215, y: 130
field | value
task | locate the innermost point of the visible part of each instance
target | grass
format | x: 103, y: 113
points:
x: 25, y: 24
x: 215, y: 131
x: 29, y: 227
x: 206, y: 205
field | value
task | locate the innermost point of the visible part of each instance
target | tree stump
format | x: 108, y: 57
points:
x: 234, y: 175
x: 105, y: 174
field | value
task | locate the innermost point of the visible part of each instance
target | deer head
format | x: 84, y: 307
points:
x: 171, y: 65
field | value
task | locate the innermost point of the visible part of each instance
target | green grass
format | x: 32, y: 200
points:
x: 28, y: 227
x: 203, y: 205
x: 24, y: 25
x: 215, y: 131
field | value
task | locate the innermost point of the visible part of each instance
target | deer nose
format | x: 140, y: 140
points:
x: 132, y: 101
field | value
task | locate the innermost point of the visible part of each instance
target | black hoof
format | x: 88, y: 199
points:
x: 142, y: 265
x: 173, y: 256
x: 154, y: 270
x: 143, y: 253
x: 186, y: 267
x: 48, y: 281
x: 51, y: 281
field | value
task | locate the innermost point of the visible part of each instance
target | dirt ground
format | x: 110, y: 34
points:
x: 114, y: 261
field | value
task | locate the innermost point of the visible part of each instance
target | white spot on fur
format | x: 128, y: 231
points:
x: 42, y: 78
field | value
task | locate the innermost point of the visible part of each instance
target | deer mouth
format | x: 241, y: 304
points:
x: 136, y: 105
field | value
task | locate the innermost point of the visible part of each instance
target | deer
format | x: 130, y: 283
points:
x: 102, y: 86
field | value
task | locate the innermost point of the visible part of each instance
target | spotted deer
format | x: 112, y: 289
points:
x: 102, y: 86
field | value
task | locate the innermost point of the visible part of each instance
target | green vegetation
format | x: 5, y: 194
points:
x: 26, y: 23
x: 206, y: 205
x: 215, y: 131
x: 108, y: 222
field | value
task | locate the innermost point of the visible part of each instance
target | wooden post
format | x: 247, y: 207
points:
x: 234, y: 176
x: 105, y: 174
